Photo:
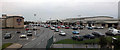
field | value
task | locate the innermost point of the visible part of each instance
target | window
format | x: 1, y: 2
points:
x: 19, y: 20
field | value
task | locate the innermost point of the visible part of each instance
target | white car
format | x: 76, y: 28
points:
x: 114, y: 31
x: 62, y: 33
x: 29, y: 34
x: 52, y: 28
x: 23, y: 36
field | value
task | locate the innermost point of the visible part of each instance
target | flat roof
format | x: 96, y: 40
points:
x: 14, y: 16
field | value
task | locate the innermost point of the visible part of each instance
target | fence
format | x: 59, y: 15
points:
x: 49, y: 43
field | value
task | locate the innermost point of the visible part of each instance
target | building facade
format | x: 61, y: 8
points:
x: 12, y: 21
x: 104, y: 21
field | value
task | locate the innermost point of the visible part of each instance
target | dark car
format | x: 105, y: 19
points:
x: 77, y: 37
x: 80, y: 27
x: 67, y: 27
x: 7, y: 36
x: 75, y: 28
x: 98, y: 34
x: 90, y: 36
x: 18, y: 32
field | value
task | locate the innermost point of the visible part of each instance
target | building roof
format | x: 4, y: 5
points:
x: 89, y: 17
x: 15, y: 16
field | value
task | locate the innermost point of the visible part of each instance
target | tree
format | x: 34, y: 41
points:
x: 103, y: 42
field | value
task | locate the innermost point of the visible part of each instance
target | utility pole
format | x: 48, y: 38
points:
x: 80, y: 19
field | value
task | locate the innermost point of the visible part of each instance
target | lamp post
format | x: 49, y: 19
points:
x: 118, y: 24
x: 50, y: 21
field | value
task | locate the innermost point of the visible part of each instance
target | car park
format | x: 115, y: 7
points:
x: 90, y: 36
x: 7, y: 36
x: 98, y: 34
x: 77, y: 37
x: 75, y: 32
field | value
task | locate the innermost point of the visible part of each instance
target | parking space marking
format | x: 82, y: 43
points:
x: 42, y: 39
x: 33, y: 38
x: 27, y: 43
x: 38, y: 43
x: 12, y: 36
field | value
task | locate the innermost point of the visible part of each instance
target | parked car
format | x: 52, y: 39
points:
x: 62, y: 26
x: 67, y: 27
x: 100, y: 27
x: 58, y: 27
x: 7, y: 36
x: 98, y: 34
x: 62, y: 33
x: 90, y: 36
x: 78, y: 37
x: 29, y: 31
x: 18, y: 32
x: 56, y: 30
x: 52, y: 28
x: 75, y: 32
x: 109, y: 33
x: 75, y: 28
x: 90, y: 28
x: 81, y: 27
x: 113, y: 30
x: 23, y: 36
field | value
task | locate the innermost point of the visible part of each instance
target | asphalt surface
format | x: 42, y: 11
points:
x: 82, y: 32
x: 40, y: 38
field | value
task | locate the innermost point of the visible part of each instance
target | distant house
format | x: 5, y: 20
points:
x: 11, y: 21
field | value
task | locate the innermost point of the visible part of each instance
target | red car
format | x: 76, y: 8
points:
x: 27, y: 29
x: 48, y: 25
x: 58, y: 27
x: 67, y: 27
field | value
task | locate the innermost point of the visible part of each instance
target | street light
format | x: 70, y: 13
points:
x: 50, y: 21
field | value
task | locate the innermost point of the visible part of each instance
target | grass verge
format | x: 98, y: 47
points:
x: 6, y: 45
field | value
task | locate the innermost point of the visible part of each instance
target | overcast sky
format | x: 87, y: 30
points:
x: 59, y: 9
